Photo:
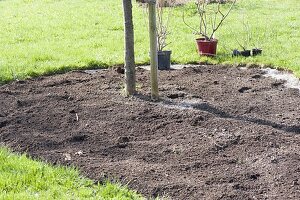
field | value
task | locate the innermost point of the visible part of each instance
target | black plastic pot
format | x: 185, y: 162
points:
x: 236, y: 52
x: 164, y: 60
x: 246, y: 53
x: 256, y: 52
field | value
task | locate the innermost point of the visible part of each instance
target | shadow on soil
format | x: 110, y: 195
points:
x: 218, y: 112
x: 222, y: 114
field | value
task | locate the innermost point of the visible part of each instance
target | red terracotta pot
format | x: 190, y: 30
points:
x: 207, y: 47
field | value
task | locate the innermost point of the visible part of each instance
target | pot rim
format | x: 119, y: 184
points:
x: 202, y: 39
x: 164, y: 52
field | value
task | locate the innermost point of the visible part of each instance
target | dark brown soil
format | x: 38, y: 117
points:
x: 217, y: 133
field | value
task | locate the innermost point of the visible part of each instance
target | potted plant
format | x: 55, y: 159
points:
x: 247, y: 40
x: 259, y: 38
x: 163, y: 18
x: 211, y: 18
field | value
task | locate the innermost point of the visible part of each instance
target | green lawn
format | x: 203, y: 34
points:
x: 23, y: 178
x: 47, y: 36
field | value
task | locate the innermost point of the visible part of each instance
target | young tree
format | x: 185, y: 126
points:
x: 153, y: 49
x: 130, y: 87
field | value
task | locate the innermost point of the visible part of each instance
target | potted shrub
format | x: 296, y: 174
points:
x: 211, y: 17
x: 257, y: 50
x: 247, y: 40
x: 245, y: 52
x: 163, y: 18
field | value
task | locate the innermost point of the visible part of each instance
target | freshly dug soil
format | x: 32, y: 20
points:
x: 217, y: 133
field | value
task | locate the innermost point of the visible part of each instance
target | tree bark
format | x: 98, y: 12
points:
x: 130, y: 86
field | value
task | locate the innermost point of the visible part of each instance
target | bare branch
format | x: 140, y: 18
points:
x: 209, y: 17
x: 183, y: 18
x: 163, y: 20
x: 223, y: 18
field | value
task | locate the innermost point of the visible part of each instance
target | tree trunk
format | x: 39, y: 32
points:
x: 153, y: 50
x: 129, y: 49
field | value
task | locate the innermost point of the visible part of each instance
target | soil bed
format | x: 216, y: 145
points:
x: 217, y: 133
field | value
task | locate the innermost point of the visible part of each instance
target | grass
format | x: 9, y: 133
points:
x: 23, y: 178
x: 49, y: 36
